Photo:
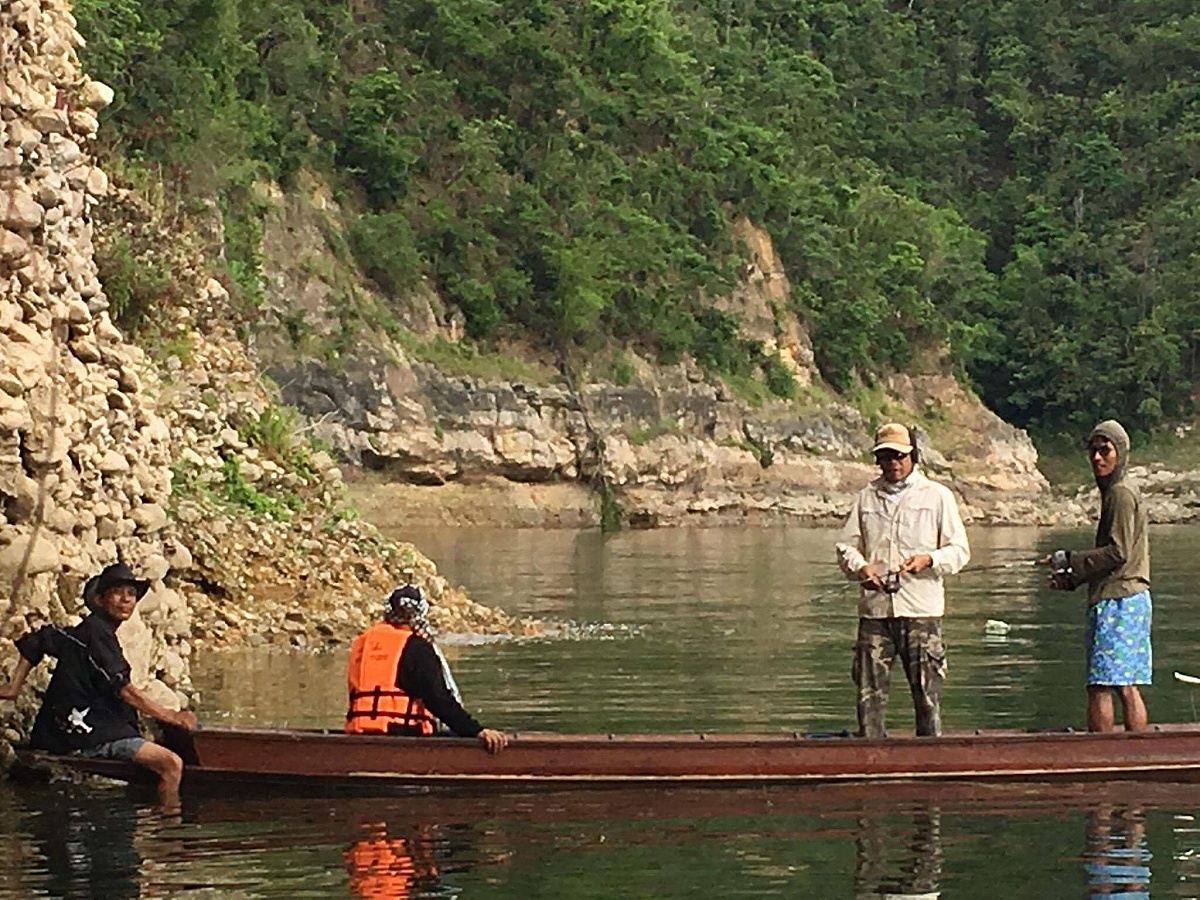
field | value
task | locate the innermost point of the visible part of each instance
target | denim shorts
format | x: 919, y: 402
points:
x: 123, y: 748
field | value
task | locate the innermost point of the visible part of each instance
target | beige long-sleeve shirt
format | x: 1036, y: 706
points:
x: 886, y: 526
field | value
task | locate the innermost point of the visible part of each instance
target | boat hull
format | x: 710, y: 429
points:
x: 1170, y: 753
x: 320, y: 759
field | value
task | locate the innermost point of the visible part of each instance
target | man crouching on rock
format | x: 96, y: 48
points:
x: 91, y: 707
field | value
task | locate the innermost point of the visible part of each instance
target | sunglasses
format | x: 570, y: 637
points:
x: 882, y: 456
x: 1100, y: 450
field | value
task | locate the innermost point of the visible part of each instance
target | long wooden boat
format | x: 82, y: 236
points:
x: 218, y: 755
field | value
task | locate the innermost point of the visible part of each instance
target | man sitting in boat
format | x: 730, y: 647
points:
x: 400, y: 682
x: 903, y: 536
x: 91, y: 706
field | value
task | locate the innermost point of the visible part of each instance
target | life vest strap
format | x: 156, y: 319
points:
x: 388, y: 714
x: 409, y: 717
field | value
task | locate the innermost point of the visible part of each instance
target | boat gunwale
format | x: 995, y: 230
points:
x: 690, y: 740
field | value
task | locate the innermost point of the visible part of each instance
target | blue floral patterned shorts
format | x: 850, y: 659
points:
x: 1118, y: 640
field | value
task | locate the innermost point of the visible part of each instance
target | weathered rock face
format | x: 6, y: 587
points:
x: 84, y: 456
x: 675, y: 447
x: 761, y: 303
x: 105, y: 455
x: 1171, y: 497
x: 305, y: 573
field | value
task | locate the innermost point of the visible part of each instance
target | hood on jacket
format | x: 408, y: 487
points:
x: 1112, y: 430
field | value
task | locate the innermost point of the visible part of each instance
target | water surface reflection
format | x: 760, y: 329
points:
x: 728, y: 637
x: 907, y: 840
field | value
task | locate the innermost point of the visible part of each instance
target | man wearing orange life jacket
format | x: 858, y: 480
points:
x: 399, y: 682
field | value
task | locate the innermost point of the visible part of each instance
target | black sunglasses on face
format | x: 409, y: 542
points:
x: 882, y: 456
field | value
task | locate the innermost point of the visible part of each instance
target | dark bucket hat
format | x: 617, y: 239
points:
x: 112, y: 576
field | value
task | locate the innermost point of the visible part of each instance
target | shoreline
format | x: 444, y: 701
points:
x: 1172, y: 498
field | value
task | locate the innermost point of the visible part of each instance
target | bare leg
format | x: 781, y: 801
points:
x: 1100, y: 707
x: 169, y: 768
x: 1133, y: 708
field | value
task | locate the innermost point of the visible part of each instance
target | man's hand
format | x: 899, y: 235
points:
x: 868, y: 578
x: 183, y: 718
x: 495, y: 741
x: 13, y: 688
x: 1059, y: 578
x: 914, y: 564
x: 1059, y: 581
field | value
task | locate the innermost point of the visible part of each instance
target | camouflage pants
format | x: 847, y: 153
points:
x: 918, y: 643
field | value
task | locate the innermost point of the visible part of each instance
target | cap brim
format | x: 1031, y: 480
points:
x: 899, y: 448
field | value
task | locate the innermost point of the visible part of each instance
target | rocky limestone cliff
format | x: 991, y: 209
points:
x: 676, y: 446
x: 84, y: 455
x: 184, y: 470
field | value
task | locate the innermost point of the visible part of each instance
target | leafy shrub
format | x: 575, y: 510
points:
x: 382, y: 244
x: 244, y: 495
x: 779, y: 378
x: 136, y: 286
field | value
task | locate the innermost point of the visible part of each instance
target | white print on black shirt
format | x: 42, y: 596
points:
x: 76, y: 723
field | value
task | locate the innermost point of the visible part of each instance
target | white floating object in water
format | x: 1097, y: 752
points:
x: 1187, y: 679
x: 996, y: 626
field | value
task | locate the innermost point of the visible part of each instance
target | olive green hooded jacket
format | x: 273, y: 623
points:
x: 1119, y: 566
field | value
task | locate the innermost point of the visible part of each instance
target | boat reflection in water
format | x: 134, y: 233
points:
x: 86, y: 842
x: 1117, y: 856
x: 908, y: 840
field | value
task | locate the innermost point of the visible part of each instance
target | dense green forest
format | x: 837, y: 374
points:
x: 1016, y: 179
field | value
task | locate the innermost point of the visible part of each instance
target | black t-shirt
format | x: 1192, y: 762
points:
x: 82, y: 707
x: 420, y: 675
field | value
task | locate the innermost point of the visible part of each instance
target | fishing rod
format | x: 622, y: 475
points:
x: 891, y: 580
x: 1193, y: 681
x: 1001, y: 567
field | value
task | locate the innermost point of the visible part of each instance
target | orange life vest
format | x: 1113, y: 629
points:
x: 376, y: 701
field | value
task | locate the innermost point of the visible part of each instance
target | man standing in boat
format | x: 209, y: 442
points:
x: 91, y: 706
x: 399, y: 680
x: 1117, y: 573
x: 903, y: 536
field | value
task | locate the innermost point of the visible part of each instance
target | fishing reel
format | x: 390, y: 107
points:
x: 891, y: 583
x: 1060, y: 562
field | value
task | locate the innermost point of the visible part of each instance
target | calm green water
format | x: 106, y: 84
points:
x: 682, y: 630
